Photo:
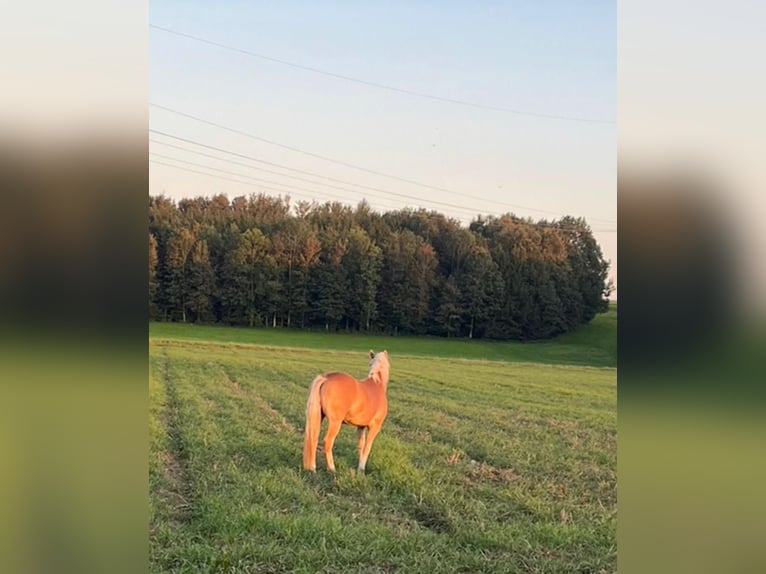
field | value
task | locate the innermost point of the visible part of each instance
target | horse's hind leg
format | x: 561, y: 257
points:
x: 372, y: 432
x: 361, y: 441
x: 329, y: 439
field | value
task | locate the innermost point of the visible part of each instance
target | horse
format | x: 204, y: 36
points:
x: 343, y: 399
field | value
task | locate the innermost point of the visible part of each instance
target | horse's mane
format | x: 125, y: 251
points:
x: 379, y: 367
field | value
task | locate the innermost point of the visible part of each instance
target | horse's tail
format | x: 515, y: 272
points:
x: 313, y: 423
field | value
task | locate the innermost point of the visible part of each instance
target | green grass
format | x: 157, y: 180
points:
x: 594, y: 344
x: 481, y: 466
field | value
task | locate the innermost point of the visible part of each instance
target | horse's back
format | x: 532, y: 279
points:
x: 340, y: 385
x: 344, y: 396
x: 335, y: 374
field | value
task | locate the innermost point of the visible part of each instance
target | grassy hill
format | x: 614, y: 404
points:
x: 594, y: 344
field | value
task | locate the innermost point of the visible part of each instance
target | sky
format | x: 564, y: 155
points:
x: 521, y: 62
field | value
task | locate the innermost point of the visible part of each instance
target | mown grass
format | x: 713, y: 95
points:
x: 594, y: 344
x: 482, y: 466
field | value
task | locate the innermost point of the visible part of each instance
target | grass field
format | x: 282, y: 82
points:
x: 592, y: 345
x: 499, y: 465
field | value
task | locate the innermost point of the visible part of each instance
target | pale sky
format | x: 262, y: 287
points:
x: 552, y: 59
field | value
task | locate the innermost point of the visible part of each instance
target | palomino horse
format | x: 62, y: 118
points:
x: 343, y: 399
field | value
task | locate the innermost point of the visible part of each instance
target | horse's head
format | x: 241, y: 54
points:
x: 379, y: 366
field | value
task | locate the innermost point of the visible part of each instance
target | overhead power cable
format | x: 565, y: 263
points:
x: 302, y: 191
x: 384, y: 86
x: 282, y: 166
x: 332, y: 160
x: 401, y: 195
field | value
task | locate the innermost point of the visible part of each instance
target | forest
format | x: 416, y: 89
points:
x: 263, y: 261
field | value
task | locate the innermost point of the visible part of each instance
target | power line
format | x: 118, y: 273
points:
x: 384, y: 86
x: 259, y: 186
x: 332, y: 160
x: 354, y: 191
x: 332, y: 186
x: 299, y: 193
x: 358, y: 185
x: 401, y: 195
x: 290, y: 189
x: 464, y: 211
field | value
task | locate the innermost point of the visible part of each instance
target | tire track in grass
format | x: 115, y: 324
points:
x: 495, y: 490
x: 585, y: 439
x: 501, y: 430
x: 176, y: 489
x: 463, y: 399
x: 280, y: 422
x: 580, y: 452
x: 511, y: 490
x: 162, y: 523
x: 255, y: 430
x: 284, y: 398
x: 246, y: 468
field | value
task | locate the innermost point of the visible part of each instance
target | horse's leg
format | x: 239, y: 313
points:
x: 362, y: 436
x: 372, y: 431
x: 329, y: 439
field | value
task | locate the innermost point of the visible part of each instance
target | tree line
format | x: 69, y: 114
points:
x: 258, y: 260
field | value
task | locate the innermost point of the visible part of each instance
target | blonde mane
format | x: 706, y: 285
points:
x: 379, y: 367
